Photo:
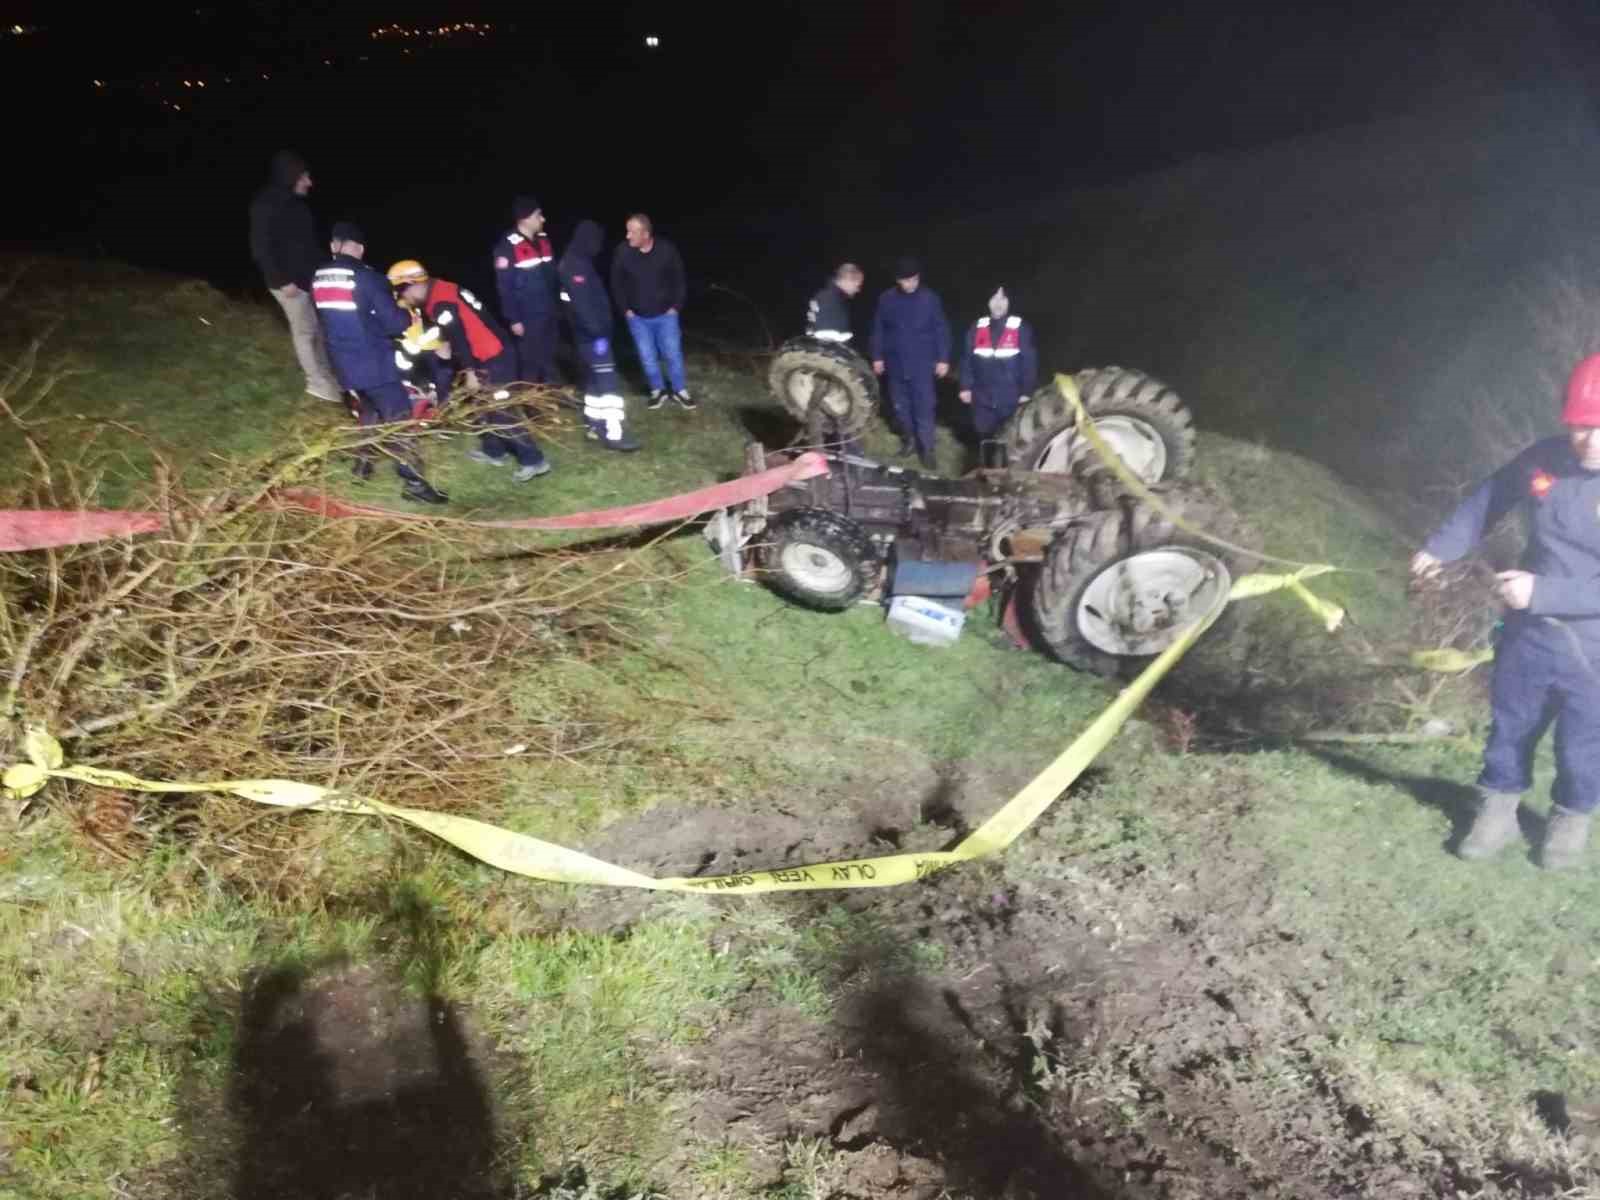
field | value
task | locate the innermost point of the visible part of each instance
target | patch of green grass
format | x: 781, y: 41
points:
x: 583, y: 1012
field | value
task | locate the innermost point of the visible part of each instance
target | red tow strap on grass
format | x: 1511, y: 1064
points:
x: 40, y: 529
x: 30, y: 529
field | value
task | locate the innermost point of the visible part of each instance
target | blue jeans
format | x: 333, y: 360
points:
x: 1539, y: 680
x: 659, y: 338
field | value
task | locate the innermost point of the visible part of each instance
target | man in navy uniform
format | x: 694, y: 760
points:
x: 469, y: 340
x: 910, y: 349
x: 604, y: 412
x: 525, y: 275
x: 1000, y: 367
x: 360, y: 322
x: 1547, y: 662
x: 828, y: 313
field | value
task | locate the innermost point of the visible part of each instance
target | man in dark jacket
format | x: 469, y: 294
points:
x: 647, y: 278
x: 468, y: 340
x: 361, y: 320
x: 589, y: 308
x: 525, y: 276
x: 1547, y: 662
x: 283, y: 241
x: 910, y: 349
x: 828, y: 313
x: 999, y: 367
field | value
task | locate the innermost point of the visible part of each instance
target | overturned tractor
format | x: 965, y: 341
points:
x: 1100, y: 576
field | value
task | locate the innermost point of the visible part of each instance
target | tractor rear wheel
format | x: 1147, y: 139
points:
x: 1121, y: 585
x: 1142, y: 418
x: 819, y: 558
x: 825, y: 381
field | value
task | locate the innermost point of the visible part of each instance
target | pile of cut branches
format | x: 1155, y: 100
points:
x: 378, y: 657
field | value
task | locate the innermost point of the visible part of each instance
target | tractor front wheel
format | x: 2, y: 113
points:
x: 819, y: 558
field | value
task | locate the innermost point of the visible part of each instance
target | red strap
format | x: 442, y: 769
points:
x: 38, y: 529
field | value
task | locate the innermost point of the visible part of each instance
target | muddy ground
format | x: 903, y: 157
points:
x: 1139, y: 1031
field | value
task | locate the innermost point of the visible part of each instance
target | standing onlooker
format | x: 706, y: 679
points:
x: 648, y: 284
x: 1547, y: 661
x: 828, y: 313
x: 283, y: 241
x: 1000, y: 367
x: 605, y: 413
x: 910, y: 348
x: 525, y: 273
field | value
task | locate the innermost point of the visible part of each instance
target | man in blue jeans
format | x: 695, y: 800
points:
x: 647, y: 282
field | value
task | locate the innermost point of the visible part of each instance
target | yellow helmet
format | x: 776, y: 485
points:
x: 407, y: 270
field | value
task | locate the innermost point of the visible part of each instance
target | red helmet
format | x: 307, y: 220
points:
x: 1583, y: 394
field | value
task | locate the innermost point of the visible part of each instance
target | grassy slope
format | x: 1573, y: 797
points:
x: 118, y: 984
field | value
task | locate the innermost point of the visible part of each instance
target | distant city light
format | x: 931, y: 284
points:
x: 469, y: 28
x: 652, y: 41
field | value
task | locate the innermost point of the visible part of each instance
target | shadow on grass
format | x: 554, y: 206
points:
x: 345, y: 1087
x: 945, y: 1094
x: 1458, y: 801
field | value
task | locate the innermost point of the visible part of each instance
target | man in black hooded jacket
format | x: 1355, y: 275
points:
x: 283, y: 241
x: 604, y: 411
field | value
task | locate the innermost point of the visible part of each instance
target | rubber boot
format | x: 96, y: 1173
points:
x: 1565, y: 835
x: 624, y: 441
x: 1494, y: 827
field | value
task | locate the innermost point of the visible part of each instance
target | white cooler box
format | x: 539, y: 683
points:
x: 926, y: 622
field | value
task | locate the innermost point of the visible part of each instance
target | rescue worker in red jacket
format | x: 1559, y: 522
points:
x: 468, y: 340
x: 525, y: 276
x: 1000, y: 366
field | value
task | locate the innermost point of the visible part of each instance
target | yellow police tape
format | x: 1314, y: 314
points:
x: 1448, y: 661
x: 536, y: 859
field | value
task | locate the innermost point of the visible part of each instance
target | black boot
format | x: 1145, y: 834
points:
x: 420, y: 491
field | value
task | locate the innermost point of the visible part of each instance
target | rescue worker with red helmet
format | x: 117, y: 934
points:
x: 525, y: 276
x: 999, y: 366
x: 1547, y: 662
x: 360, y: 320
x: 468, y: 340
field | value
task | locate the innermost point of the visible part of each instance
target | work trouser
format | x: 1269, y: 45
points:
x: 383, y: 405
x: 509, y: 436
x: 309, y: 346
x: 603, y: 407
x: 914, y: 401
x: 990, y: 412
x: 658, y: 340
x: 536, y: 349
x: 1543, y: 677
